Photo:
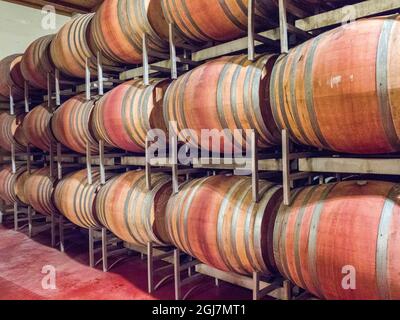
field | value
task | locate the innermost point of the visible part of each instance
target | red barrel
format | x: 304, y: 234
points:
x: 119, y: 25
x: 227, y: 97
x: 71, y: 125
x: 123, y: 117
x: 215, y: 20
x: 337, y: 230
x: 215, y: 220
x: 331, y: 96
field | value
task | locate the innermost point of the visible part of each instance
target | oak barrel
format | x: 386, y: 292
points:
x: 229, y: 93
x: 71, y: 124
x: 123, y: 117
x: 9, y: 186
x: 11, y: 131
x: 37, y: 128
x: 70, y: 48
x: 75, y: 198
x: 39, y: 188
x: 119, y: 25
x: 340, y: 91
x: 132, y: 212
x: 352, y: 226
x: 11, y: 77
x: 36, y: 62
x: 215, y: 20
x: 20, y: 183
x: 215, y: 220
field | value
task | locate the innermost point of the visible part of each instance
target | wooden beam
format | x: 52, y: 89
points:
x: 134, y: 161
x: 230, y: 164
x: 335, y: 17
x: 138, y: 72
x: 351, y: 165
x: 62, y: 7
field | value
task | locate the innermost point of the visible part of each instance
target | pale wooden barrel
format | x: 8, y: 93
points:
x: 132, y: 212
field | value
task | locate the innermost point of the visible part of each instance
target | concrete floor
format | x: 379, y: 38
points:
x: 22, y: 260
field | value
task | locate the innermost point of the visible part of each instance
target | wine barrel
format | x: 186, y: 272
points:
x: 215, y: 20
x: 11, y: 131
x: 227, y: 93
x: 350, y: 226
x: 20, y: 182
x: 37, y: 128
x: 119, y: 25
x: 70, y: 124
x: 132, y: 212
x: 329, y: 96
x: 70, y: 48
x: 75, y: 198
x: 39, y: 188
x: 8, y: 184
x: 36, y: 62
x: 123, y: 117
x: 215, y: 220
x: 11, y: 77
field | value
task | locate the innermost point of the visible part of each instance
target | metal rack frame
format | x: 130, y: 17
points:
x: 5, y: 211
x: 276, y: 288
x: 35, y: 223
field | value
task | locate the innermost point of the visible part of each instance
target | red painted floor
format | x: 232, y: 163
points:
x: 22, y: 260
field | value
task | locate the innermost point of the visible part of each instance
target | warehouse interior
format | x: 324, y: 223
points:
x: 199, y: 150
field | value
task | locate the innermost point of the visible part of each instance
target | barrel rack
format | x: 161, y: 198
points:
x: 6, y: 210
x: 31, y: 158
x: 292, y: 165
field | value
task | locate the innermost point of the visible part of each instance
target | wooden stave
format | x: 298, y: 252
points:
x: 353, y: 235
x: 126, y: 102
x: 127, y: 213
x: 39, y: 189
x: 75, y: 186
x: 128, y: 41
x: 306, y: 120
x: 37, y: 127
x: 11, y: 77
x: 36, y: 62
x: 11, y: 132
x: 77, y: 137
x: 247, y: 105
x: 250, y: 259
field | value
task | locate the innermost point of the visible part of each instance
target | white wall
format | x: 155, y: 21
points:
x: 20, y: 25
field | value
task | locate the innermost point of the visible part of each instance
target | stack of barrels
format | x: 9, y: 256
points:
x: 325, y: 93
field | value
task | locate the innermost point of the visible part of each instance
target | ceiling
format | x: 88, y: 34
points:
x: 66, y: 7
